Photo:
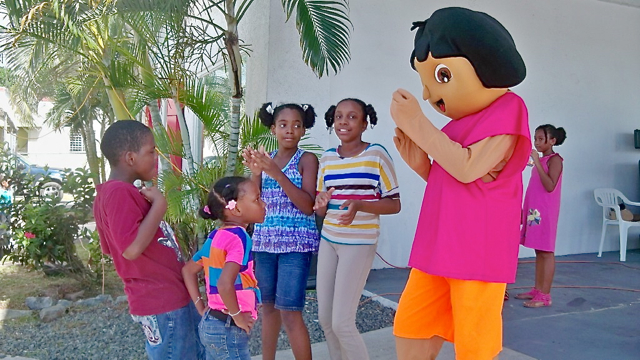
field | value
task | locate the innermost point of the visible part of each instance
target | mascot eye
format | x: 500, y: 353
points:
x: 443, y: 74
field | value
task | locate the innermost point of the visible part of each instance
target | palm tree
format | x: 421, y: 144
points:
x: 139, y: 45
x: 324, y: 37
x: 137, y: 53
x: 323, y: 26
x: 63, y: 50
x: 79, y: 107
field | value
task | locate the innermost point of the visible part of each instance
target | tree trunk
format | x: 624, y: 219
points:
x: 116, y: 99
x: 156, y: 120
x: 235, y: 76
x: 76, y: 268
x: 91, y: 151
x: 106, y: 121
x: 188, y: 167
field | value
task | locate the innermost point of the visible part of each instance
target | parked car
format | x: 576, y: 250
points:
x: 48, y: 178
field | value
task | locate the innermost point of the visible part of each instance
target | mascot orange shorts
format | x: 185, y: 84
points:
x: 465, y: 312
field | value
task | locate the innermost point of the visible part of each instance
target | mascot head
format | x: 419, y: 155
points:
x: 466, y: 60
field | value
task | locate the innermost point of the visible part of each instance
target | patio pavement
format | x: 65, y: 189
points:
x: 591, y: 317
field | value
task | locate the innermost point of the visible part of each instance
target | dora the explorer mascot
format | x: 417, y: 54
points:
x: 466, y: 244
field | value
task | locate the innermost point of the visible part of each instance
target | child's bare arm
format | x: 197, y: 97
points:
x: 303, y: 198
x: 149, y: 225
x: 256, y: 170
x: 309, y: 169
x: 322, y: 201
x: 550, y: 180
x: 227, y: 292
x: 190, y: 275
x: 385, y: 206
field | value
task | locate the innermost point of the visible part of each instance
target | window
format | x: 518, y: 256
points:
x: 75, y: 142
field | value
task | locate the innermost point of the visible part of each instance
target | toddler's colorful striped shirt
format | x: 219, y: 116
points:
x: 229, y: 245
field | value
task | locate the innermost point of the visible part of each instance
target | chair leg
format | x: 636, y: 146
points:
x: 604, y: 231
x: 623, y: 242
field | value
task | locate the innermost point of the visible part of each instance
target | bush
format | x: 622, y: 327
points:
x: 41, y: 231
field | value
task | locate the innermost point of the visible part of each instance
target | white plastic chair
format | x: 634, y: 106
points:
x: 608, y: 199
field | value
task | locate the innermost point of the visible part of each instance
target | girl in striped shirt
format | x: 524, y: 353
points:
x: 356, y: 184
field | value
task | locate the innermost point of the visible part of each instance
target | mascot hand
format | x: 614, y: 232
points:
x: 404, y: 108
x: 416, y: 158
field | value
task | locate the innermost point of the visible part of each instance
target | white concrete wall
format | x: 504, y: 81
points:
x: 50, y: 147
x: 582, y: 63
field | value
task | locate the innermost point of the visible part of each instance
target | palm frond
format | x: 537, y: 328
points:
x: 255, y: 135
x: 323, y: 26
x: 206, y: 103
x: 244, y: 6
x: 306, y: 145
x: 168, y: 142
x: 165, y: 6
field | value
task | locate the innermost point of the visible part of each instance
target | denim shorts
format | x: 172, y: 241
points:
x: 172, y: 335
x: 221, y: 340
x: 282, y: 278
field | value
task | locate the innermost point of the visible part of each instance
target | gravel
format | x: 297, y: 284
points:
x: 107, y: 332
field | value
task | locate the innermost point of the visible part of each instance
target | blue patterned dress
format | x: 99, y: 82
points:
x: 285, y: 228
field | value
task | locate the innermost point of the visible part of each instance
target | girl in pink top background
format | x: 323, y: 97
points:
x: 540, y: 211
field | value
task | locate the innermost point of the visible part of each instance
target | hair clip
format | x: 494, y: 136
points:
x: 270, y: 109
x: 305, y: 107
x: 206, y: 209
x: 231, y: 205
x: 372, y: 126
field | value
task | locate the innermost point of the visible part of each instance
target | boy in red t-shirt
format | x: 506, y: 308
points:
x: 144, y: 248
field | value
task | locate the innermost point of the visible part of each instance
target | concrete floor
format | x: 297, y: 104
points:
x: 584, y: 322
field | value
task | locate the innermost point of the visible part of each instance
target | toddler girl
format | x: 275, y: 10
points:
x: 230, y: 308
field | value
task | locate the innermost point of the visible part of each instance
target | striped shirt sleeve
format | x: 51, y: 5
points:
x: 389, y: 187
x: 321, y: 167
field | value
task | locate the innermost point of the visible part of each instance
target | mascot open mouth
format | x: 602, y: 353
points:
x: 440, y: 105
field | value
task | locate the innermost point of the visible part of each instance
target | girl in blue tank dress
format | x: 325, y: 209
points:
x: 284, y: 242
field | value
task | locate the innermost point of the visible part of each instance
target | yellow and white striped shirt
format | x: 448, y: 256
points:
x: 368, y: 176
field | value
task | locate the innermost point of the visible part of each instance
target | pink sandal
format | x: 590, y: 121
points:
x: 528, y: 295
x: 540, y: 300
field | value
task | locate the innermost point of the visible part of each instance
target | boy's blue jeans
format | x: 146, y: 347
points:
x: 172, y: 335
x: 221, y: 340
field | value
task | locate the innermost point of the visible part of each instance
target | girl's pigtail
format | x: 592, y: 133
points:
x: 266, y: 114
x: 214, y: 210
x: 371, y: 113
x: 204, y: 212
x: 561, y: 135
x: 309, y: 118
x: 328, y: 117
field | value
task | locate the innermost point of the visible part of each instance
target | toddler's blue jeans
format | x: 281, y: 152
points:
x: 222, y: 340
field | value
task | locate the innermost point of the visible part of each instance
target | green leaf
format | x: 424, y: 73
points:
x: 323, y: 26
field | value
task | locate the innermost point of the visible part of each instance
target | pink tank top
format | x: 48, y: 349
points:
x: 472, y: 231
